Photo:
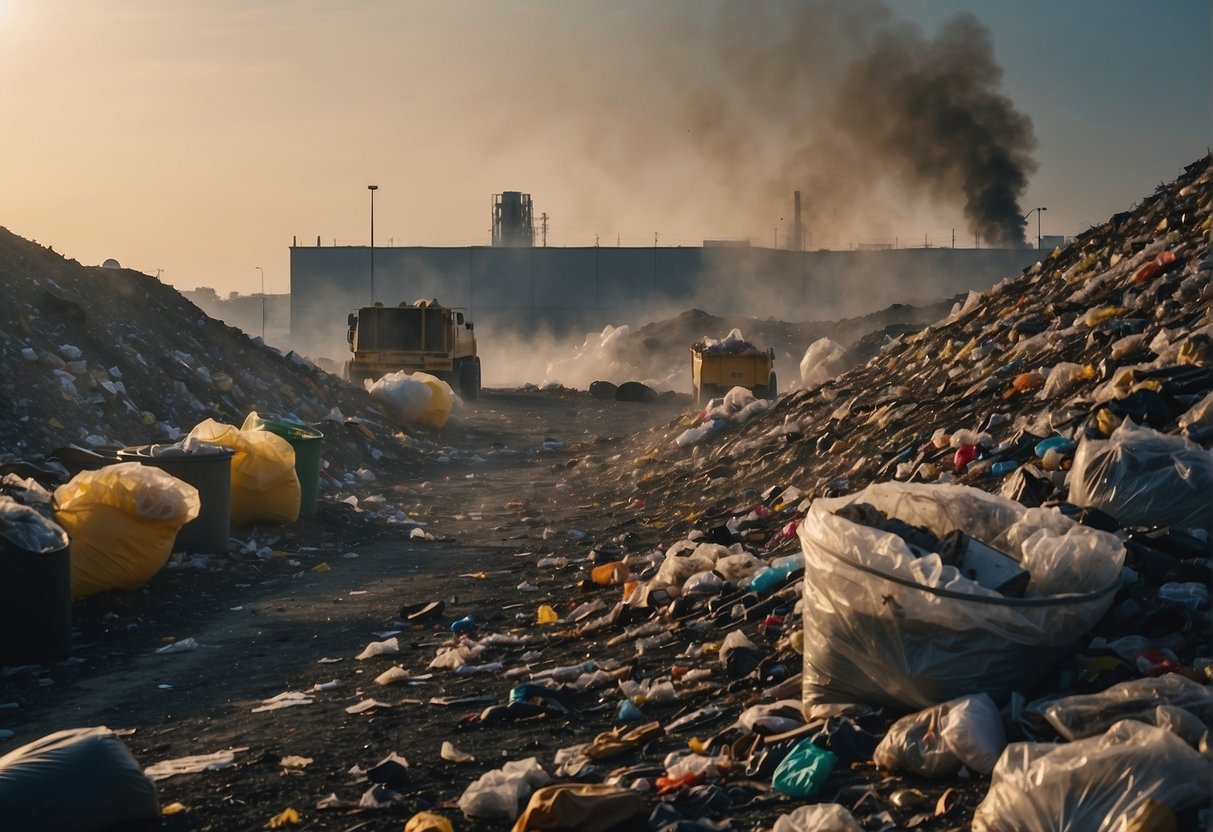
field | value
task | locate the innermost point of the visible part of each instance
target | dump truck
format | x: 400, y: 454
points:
x: 424, y: 336
x: 719, y: 366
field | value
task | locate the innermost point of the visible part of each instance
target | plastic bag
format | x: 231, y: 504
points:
x: 902, y: 631
x: 24, y: 528
x: 678, y: 567
x: 1144, y: 478
x: 264, y: 483
x: 823, y: 360
x: 1060, y: 379
x: 123, y: 520
x: 1077, y: 717
x: 416, y: 397
x: 79, y: 780
x: 938, y: 741
x: 1092, y: 784
x: 587, y: 807
x: 496, y: 794
x: 820, y: 817
x: 804, y: 771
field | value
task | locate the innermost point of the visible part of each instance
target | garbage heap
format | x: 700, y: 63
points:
x: 106, y: 358
x: 966, y: 583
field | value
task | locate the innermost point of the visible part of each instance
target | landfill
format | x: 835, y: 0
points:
x: 960, y: 581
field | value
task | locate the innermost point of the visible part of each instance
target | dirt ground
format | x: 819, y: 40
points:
x: 299, y: 617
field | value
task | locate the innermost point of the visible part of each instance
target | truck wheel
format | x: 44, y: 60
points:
x: 469, y: 379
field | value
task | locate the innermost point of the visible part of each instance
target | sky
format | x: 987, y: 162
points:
x: 195, y: 139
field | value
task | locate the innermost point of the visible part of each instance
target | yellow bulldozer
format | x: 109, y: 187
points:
x: 420, y: 337
x: 719, y: 366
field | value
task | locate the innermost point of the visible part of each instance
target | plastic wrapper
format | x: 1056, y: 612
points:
x: 1199, y: 414
x: 78, y: 780
x: 1145, y: 478
x: 819, y: 817
x: 24, y: 528
x: 1060, y: 379
x: 1093, y: 784
x: 265, y: 485
x: 497, y: 793
x: 892, y: 629
x: 123, y: 520
x: 1077, y: 717
x: 804, y: 771
x: 415, y: 397
x: 823, y: 360
x: 938, y: 741
x: 677, y: 568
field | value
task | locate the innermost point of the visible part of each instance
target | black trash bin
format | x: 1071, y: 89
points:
x: 208, y: 470
x: 35, y: 587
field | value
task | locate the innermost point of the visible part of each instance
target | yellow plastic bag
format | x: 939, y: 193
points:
x: 416, y: 397
x: 123, y: 520
x: 264, y: 483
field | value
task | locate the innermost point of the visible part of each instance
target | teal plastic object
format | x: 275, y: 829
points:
x: 803, y: 772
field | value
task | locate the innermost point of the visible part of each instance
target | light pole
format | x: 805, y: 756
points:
x: 1037, y: 212
x: 258, y: 268
x: 372, y: 189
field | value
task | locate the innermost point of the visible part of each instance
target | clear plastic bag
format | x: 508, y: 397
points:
x: 123, y: 520
x: 888, y: 630
x: 1145, y: 478
x: 265, y: 485
x: 1091, y: 785
x: 497, y: 793
x: 820, y: 817
x: 936, y: 742
x: 1076, y: 717
x: 823, y: 360
x: 24, y: 528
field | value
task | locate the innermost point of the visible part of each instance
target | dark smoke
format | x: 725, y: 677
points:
x: 864, y: 113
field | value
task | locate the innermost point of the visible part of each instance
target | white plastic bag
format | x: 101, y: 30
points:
x: 1143, y: 478
x: 1091, y: 785
x: 819, y: 817
x: 1077, y: 717
x: 497, y: 793
x: 936, y: 742
x: 890, y: 629
x: 823, y: 360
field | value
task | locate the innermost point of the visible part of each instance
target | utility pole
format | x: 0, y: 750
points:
x: 953, y: 238
x: 372, y: 189
x: 544, y: 219
x: 258, y: 268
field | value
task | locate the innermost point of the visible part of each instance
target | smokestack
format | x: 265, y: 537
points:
x: 797, y: 242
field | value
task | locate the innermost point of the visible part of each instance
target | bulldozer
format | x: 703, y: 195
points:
x: 716, y: 370
x: 424, y: 336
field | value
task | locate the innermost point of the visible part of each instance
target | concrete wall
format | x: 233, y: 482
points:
x: 577, y: 290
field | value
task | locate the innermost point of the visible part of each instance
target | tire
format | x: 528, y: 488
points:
x: 469, y: 378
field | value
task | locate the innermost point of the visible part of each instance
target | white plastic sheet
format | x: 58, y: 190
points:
x: 891, y: 629
x: 819, y: 817
x: 823, y: 360
x: 497, y: 793
x: 1091, y: 785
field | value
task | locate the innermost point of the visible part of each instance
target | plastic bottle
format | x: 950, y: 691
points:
x: 567, y: 673
x: 1005, y: 467
x: 770, y: 579
x: 1054, y: 443
x: 463, y: 626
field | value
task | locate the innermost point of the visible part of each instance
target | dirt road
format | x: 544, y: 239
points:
x: 297, y: 619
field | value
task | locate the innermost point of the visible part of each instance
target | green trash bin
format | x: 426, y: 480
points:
x: 306, y: 441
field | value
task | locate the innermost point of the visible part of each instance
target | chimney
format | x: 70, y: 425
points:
x: 797, y: 241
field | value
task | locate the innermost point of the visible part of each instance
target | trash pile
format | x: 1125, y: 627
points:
x: 656, y: 352
x: 1005, y: 525
x: 106, y: 358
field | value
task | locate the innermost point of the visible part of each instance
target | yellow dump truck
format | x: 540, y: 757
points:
x: 717, y: 367
x: 420, y: 337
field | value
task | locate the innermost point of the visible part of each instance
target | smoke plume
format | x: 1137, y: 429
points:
x: 871, y: 118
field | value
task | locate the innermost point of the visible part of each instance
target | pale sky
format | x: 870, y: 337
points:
x: 197, y: 136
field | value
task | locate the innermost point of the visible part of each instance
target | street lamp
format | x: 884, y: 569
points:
x: 258, y: 268
x: 372, y: 189
x: 1037, y: 212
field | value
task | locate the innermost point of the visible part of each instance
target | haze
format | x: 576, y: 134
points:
x: 195, y: 138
